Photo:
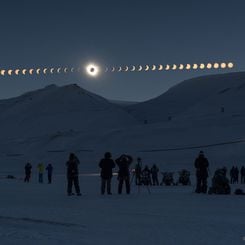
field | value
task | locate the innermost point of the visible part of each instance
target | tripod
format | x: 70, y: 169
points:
x: 139, y: 184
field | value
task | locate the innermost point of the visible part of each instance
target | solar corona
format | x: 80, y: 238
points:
x: 94, y: 70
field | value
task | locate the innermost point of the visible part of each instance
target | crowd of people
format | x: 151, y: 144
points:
x: 220, y: 182
x: 234, y: 175
x: 142, y: 175
x: 107, y: 164
x: 41, y: 169
x: 146, y: 175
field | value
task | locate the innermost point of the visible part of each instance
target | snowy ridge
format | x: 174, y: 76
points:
x: 197, y: 96
x: 57, y: 109
x: 206, y: 112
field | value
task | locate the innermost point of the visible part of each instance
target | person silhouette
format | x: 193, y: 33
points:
x: 72, y: 174
x: 123, y: 163
x: 106, y: 164
x: 201, y: 165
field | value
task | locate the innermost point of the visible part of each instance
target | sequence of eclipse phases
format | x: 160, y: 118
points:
x: 94, y: 69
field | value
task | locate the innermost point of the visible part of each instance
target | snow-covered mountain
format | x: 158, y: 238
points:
x: 204, y: 113
x: 45, y: 125
x: 59, y: 109
x: 200, y: 96
x: 201, y: 113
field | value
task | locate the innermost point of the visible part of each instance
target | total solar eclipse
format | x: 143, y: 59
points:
x: 94, y: 70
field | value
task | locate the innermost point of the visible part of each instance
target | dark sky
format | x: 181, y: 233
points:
x: 55, y: 33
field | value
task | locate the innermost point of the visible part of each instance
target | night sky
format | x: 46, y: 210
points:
x: 71, y: 33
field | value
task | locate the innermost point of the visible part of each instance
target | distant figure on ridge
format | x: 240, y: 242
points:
x: 40, y: 168
x: 49, y: 170
x: 201, y: 165
x: 106, y: 164
x: 72, y: 174
x: 28, y: 168
x: 123, y: 163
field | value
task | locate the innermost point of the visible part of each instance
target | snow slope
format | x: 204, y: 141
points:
x: 198, y: 96
x: 46, y: 125
x: 43, y: 214
x: 54, y: 109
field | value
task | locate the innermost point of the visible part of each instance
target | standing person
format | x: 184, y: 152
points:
x: 49, y: 170
x: 138, y: 169
x: 243, y: 175
x: 154, y: 174
x: 28, y: 168
x: 123, y: 163
x: 72, y: 174
x: 236, y: 175
x: 106, y: 164
x: 40, y: 168
x: 201, y: 165
x: 232, y: 175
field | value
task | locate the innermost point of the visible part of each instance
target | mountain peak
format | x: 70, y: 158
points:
x: 73, y: 85
x: 51, y: 86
